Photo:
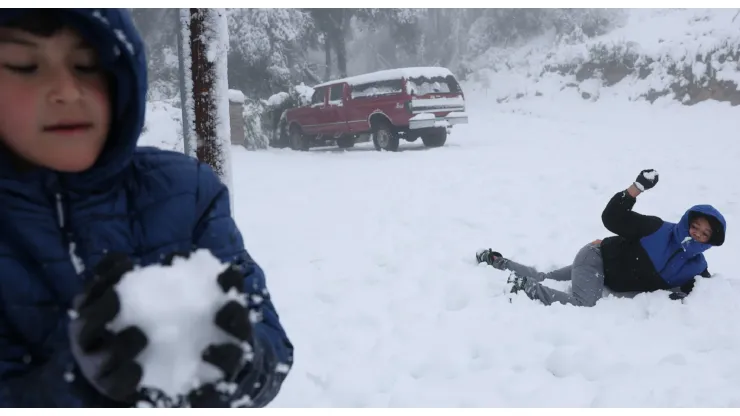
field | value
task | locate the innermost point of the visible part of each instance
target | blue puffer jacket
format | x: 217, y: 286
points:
x: 142, y: 201
x: 675, y: 255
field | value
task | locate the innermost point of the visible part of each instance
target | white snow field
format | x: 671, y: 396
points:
x: 369, y: 258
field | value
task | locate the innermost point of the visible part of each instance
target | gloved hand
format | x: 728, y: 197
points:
x: 677, y: 295
x: 106, y: 359
x: 230, y: 358
x: 646, y: 179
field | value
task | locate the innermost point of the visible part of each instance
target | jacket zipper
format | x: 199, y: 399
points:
x: 77, y: 262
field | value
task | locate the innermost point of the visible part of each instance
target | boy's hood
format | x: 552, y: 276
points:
x: 716, y: 220
x: 121, y: 50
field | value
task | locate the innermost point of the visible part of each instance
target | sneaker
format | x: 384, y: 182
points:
x: 482, y: 255
x: 490, y: 257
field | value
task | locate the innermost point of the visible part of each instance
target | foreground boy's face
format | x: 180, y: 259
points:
x: 54, y: 106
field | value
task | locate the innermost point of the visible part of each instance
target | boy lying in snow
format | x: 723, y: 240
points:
x: 647, y: 254
x: 73, y: 187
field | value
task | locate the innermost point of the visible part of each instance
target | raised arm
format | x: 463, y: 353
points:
x: 618, y: 216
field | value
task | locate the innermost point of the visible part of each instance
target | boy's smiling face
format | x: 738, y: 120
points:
x: 54, y: 100
x: 700, y: 230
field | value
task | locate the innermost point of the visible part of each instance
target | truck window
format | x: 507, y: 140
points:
x: 431, y: 85
x: 335, y: 94
x: 318, y: 96
x: 372, y: 89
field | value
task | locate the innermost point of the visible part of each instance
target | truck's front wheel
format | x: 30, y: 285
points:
x: 384, y: 138
x: 297, y: 140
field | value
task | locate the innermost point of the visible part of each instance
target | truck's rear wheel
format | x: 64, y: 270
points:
x: 435, y: 138
x: 297, y: 140
x: 384, y: 138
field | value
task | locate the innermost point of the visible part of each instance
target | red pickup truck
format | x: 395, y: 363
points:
x: 389, y: 105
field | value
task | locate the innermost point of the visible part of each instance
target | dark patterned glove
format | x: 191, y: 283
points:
x: 646, y: 179
x: 105, y: 358
x: 231, y: 357
x: 677, y: 296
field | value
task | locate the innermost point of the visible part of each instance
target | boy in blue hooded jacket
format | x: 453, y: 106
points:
x: 80, y: 205
x: 645, y: 255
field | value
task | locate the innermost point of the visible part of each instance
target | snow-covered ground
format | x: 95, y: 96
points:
x: 369, y: 257
x: 163, y: 126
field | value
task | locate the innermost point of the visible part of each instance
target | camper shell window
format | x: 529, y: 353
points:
x: 373, y: 89
x: 431, y: 85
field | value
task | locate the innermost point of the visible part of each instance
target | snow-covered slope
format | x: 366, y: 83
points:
x: 651, y: 44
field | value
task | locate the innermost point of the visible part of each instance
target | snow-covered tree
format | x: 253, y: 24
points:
x: 267, y: 53
x: 333, y: 27
x: 507, y: 27
x: 190, y: 143
x: 388, y: 38
x: 159, y: 32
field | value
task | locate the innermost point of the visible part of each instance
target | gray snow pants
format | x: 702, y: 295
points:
x: 586, y: 275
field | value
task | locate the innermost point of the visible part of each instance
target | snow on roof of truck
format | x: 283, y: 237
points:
x: 389, y: 74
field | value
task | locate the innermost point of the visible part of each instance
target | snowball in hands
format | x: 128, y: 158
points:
x: 175, y: 306
x: 650, y: 175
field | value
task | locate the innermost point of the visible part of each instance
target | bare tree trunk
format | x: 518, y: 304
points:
x: 340, y: 41
x: 208, y: 53
x: 204, y: 90
x: 204, y: 76
x: 327, y: 51
x: 340, y: 47
x: 457, y: 28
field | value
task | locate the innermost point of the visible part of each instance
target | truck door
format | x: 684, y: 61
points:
x: 335, y: 113
x: 311, y: 116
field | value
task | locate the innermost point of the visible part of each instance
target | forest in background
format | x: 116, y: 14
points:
x: 271, y: 50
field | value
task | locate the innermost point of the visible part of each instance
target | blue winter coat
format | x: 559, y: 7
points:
x: 675, y: 255
x: 143, y: 201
